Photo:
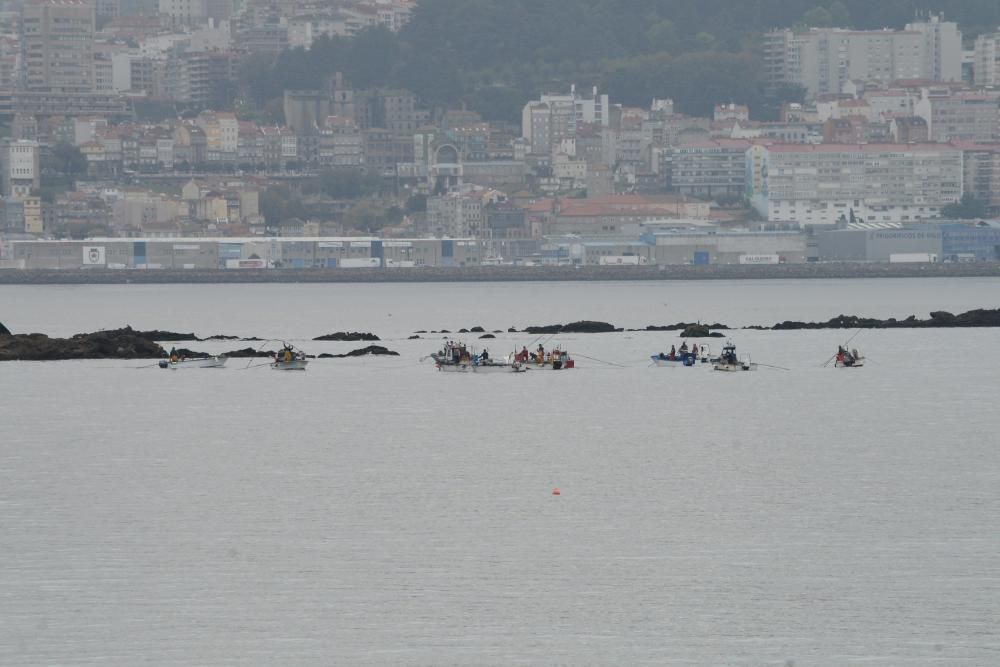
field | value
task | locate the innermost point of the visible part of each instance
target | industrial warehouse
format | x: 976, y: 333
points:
x: 655, y: 245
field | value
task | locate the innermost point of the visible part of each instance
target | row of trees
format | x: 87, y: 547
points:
x: 493, y: 56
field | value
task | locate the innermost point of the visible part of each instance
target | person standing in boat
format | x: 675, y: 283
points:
x: 523, y: 355
x: 694, y: 350
x: 673, y: 352
x: 540, y: 354
x: 173, y: 355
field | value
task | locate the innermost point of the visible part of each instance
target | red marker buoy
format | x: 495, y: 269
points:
x: 556, y: 492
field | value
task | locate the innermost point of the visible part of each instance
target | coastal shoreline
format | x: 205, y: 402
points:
x: 808, y: 271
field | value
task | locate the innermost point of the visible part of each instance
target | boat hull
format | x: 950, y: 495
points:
x: 672, y: 363
x: 480, y: 368
x: 553, y: 366
x: 293, y: 365
x: 203, y: 362
x: 734, y: 368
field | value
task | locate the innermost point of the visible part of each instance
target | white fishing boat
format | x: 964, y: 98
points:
x: 457, y: 358
x: 197, y: 362
x: 293, y: 365
x: 730, y: 363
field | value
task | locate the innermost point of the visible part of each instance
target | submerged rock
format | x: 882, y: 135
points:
x: 114, y: 344
x: 348, y: 336
x: 414, y: 337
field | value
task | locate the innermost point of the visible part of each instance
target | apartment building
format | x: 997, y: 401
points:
x: 711, y: 168
x: 455, y: 214
x: 20, y: 170
x: 986, y: 62
x: 200, y: 78
x: 960, y: 116
x: 826, y: 183
x: 57, y: 46
x: 822, y: 60
x: 221, y: 135
x: 982, y: 173
x: 553, y: 118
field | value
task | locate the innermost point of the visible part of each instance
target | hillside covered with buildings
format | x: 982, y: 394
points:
x: 214, y: 134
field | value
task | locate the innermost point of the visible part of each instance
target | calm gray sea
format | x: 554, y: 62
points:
x: 376, y: 512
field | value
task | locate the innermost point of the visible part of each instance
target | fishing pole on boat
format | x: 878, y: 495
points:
x: 602, y: 361
x: 780, y: 368
x: 257, y: 352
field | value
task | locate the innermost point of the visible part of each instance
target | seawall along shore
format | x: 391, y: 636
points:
x: 823, y: 270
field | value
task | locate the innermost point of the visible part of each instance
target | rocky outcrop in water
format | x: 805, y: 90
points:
x: 700, y: 331
x: 114, y: 344
x: 376, y: 350
x: 486, y: 336
x: 249, y: 352
x: 348, y: 336
x: 938, y: 320
x: 174, y: 336
x: 4, y: 331
x: 583, y: 326
x: 680, y: 326
x: 166, y: 336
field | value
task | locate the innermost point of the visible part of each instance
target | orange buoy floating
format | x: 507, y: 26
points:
x: 556, y: 492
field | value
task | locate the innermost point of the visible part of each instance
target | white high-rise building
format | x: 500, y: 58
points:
x: 823, y: 60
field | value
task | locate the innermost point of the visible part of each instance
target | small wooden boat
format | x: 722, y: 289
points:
x: 197, y: 362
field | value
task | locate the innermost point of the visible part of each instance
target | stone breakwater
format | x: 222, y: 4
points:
x: 824, y: 270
